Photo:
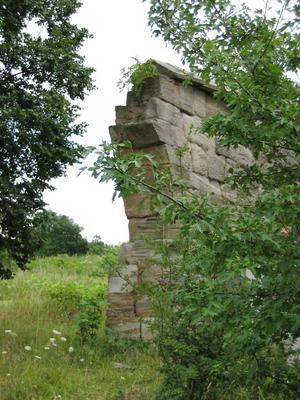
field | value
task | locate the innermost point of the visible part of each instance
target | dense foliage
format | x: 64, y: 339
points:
x: 58, y: 234
x: 227, y: 306
x: 41, y: 75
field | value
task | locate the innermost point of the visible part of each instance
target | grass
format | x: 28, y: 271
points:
x: 49, y: 297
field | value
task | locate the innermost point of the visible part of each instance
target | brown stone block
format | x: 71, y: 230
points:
x: 214, y: 107
x: 137, y: 205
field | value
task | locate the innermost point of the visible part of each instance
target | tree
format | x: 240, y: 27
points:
x: 42, y: 77
x: 59, y: 234
x: 227, y: 310
x: 97, y: 246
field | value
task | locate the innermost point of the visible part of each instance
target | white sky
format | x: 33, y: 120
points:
x: 120, y: 32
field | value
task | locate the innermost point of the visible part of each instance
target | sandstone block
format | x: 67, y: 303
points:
x: 146, y: 228
x: 216, y: 168
x: 202, y: 185
x: 129, y: 329
x: 240, y: 155
x: 123, y: 282
x: 199, y: 160
x: 121, y: 308
x: 159, y: 109
x: 179, y: 156
x: 145, y: 134
x: 127, y: 114
x: 137, y: 205
x: 214, y: 107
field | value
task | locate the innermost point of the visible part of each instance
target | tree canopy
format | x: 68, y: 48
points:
x: 42, y: 77
x: 227, y: 311
x: 58, y: 234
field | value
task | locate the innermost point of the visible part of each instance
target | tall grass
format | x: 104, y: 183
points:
x: 43, y: 355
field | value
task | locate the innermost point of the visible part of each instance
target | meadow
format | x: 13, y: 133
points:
x: 53, y: 340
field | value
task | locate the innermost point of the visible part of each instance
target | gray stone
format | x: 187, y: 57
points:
x: 202, y: 185
x: 240, y: 155
x: 127, y: 276
x: 216, y: 168
x: 144, y: 134
x: 157, y: 108
x: 199, y: 160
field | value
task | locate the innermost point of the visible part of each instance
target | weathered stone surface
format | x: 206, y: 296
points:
x: 130, y: 329
x: 157, y: 108
x: 151, y: 229
x: 121, y: 308
x: 240, y: 155
x: 199, y: 160
x: 202, y: 185
x: 143, y: 308
x: 163, y: 120
x: 127, y: 276
x: 216, y: 168
x: 149, y: 133
x: 179, y: 157
x: 137, y: 205
x: 213, y: 107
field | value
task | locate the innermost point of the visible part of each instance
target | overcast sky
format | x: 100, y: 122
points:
x: 120, y: 32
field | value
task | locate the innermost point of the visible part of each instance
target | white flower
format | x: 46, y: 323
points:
x: 27, y: 348
x: 8, y: 331
x: 54, y: 344
x: 56, y: 332
x: 52, y: 340
x: 71, y: 349
x: 47, y: 348
x: 81, y: 360
x: 4, y: 352
x: 38, y: 357
x: 63, y: 339
x: 258, y: 122
x: 7, y: 374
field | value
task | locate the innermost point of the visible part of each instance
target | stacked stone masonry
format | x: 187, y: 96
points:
x: 159, y: 121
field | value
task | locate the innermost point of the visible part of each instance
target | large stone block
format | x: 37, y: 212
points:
x: 145, y: 134
x: 240, y: 155
x: 213, y: 107
x: 124, y: 281
x: 156, y: 108
x: 121, y: 308
x: 145, y: 228
x: 203, y: 185
x: 199, y: 160
x: 216, y: 168
x: 137, y: 205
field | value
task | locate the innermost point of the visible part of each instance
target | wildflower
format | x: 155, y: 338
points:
x: 4, y: 352
x: 8, y: 331
x: 52, y: 339
x: 63, y: 339
x: 56, y: 332
x: 7, y: 374
x: 38, y: 357
x: 47, y: 348
x: 81, y: 360
x: 27, y: 348
x: 71, y: 349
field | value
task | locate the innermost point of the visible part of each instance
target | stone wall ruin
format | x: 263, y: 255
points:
x: 159, y: 122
